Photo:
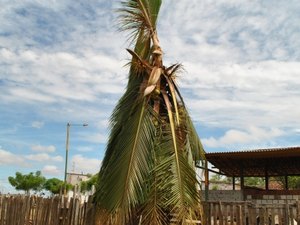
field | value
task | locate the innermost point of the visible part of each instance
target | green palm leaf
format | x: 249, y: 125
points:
x: 139, y: 16
x: 148, y: 172
x: 128, y: 165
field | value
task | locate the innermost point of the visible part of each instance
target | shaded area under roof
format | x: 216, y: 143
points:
x: 257, y: 163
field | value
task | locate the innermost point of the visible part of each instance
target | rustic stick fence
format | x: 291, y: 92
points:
x: 34, y: 210
x: 59, y: 210
x: 246, y: 213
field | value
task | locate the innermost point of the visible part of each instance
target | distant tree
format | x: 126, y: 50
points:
x: 54, y: 185
x: 248, y: 181
x: 294, y: 182
x: 27, y: 182
x: 217, y: 181
x: 87, y: 185
x: 254, y: 181
x: 217, y: 177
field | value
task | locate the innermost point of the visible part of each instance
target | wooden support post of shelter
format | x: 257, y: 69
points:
x: 286, y: 182
x: 266, y: 179
x: 233, y: 183
x: 206, y: 180
x: 242, y: 178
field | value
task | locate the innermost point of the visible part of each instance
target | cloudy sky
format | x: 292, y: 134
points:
x: 63, y: 61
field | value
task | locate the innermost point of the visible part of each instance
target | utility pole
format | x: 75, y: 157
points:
x: 67, y: 150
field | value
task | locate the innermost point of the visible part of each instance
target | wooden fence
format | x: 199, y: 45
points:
x: 246, y: 213
x: 33, y: 210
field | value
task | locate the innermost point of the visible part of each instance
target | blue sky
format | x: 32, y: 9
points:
x: 63, y: 61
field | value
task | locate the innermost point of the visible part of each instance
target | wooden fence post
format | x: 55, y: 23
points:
x: 298, y: 212
x: 287, y: 213
x: 220, y: 214
x: 25, y: 210
x: 231, y: 208
x: 37, y: 210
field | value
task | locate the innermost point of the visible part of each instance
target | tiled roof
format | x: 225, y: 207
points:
x: 297, y: 148
x: 258, y: 162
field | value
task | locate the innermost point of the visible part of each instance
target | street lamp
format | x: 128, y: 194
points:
x: 67, y: 145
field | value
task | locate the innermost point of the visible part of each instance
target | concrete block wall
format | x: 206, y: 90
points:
x: 272, y: 199
x: 237, y: 195
x: 224, y: 195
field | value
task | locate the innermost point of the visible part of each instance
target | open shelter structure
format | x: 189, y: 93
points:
x: 253, y: 205
x: 258, y: 163
x: 266, y: 163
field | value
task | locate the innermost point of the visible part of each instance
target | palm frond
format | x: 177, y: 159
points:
x: 148, y: 173
x: 139, y: 16
x: 142, y: 52
x: 171, y: 70
x: 192, y: 136
x: 195, y: 143
x: 173, y: 94
x: 128, y: 165
x: 181, y: 196
x: 185, y: 196
x: 153, y: 211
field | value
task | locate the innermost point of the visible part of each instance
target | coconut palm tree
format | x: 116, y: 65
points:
x: 148, y: 172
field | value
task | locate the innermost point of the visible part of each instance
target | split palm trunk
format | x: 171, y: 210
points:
x: 148, y: 172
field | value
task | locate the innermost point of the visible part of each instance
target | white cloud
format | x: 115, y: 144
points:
x: 29, y: 95
x: 251, y: 137
x: 38, y: 157
x: 43, y: 157
x: 40, y: 148
x: 51, y: 170
x: 9, y: 158
x: 57, y: 158
x: 241, y: 61
x: 85, y: 149
x: 37, y: 124
x: 61, y: 76
x: 96, y: 138
x: 248, y: 30
x: 86, y: 165
x: 234, y: 95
